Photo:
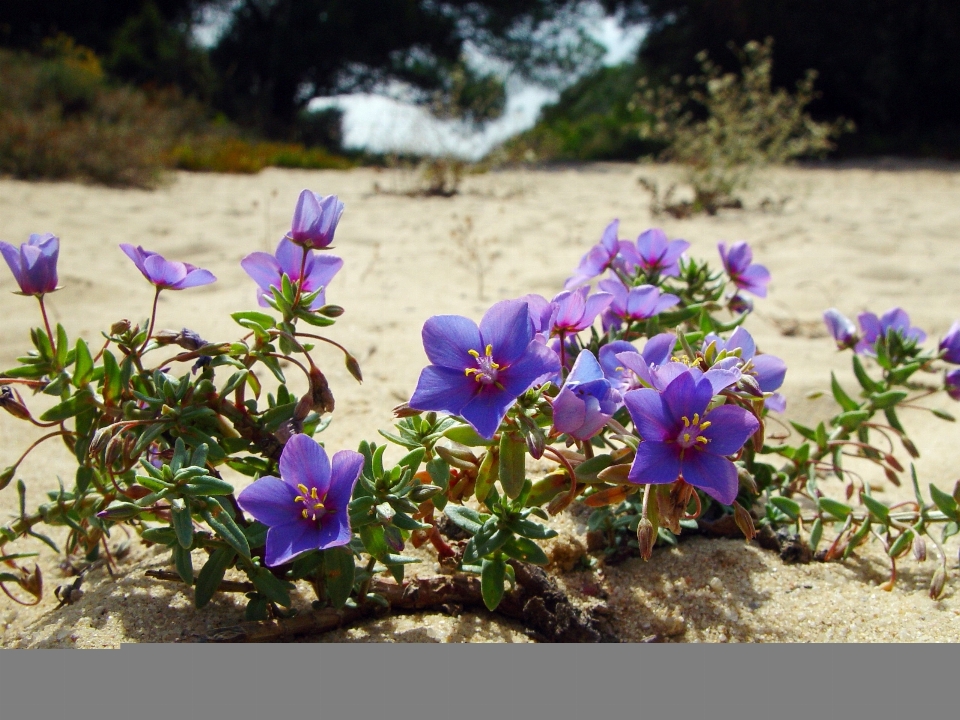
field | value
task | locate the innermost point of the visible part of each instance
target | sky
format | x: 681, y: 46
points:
x: 383, y: 124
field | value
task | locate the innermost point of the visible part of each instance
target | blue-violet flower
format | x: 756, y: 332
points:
x: 34, y: 264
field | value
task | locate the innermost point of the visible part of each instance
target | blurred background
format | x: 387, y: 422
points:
x: 115, y: 92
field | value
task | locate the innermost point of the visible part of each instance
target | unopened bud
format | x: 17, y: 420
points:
x: 422, y: 493
x: 747, y: 481
x: 909, y: 446
x: 114, y: 450
x: 920, y: 549
x: 99, y: 442
x: 11, y: 402
x: 937, y: 582
x: 393, y: 537
x: 646, y: 537
x: 331, y: 311
x: 120, y: 511
x: 353, y: 367
x: 166, y: 337
x: 459, y: 456
x: 744, y: 521
x: 891, y: 476
x: 956, y: 492
x: 32, y: 582
x: 893, y: 462
x: 303, y: 408
x: 404, y: 410
x: 750, y: 385
x: 7, y: 475
x: 320, y: 391
x: 120, y: 327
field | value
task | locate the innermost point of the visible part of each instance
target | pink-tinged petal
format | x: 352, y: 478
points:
x: 636, y: 363
x: 263, y: 268
x: 665, y: 302
x: 306, y: 215
x: 656, y: 463
x: 870, y: 324
x: 304, y: 462
x: 651, y: 245
x: 12, y: 256
x: 345, y: 471
x: 740, y: 338
x: 609, y: 360
x: 137, y: 254
x: 289, y: 256
x: 674, y: 250
x: 754, y: 279
x: 540, y: 311
x: 642, y: 302
x: 776, y: 403
x: 319, y: 275
x: 569, y: 411
x: 770, y: 372
x: 508, y: 328
x: 162, y: 272
x: 447, y: 340
x: 730, y: 427
x: 334, y: 530
x: 595, y: 305
x: 270, y: 500
x: 840, y: 326
x: 285, y: 542
x: 720, y: 378
x: 739, y: 258
x: 486, y: 411
x: 659, y: 348
x: 443, y: 389
x: 569, y: 310
x: 609, y: 240
x: 713, y: 474
x: 650, y: 417
x: 195, y: 278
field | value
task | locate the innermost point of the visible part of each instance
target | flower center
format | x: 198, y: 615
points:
x: 486, y: 371
x: 313, y: 508
x: 690, y: 435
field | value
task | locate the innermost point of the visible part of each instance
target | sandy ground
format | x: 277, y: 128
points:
x: 865, y: 237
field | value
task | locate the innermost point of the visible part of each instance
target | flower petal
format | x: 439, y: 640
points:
x: 485, y: 412
x: 285, y: 542
x: 713, y: 474
x: 269, y: 500
x: 508, y: 328
x: 162, y: 272
x: 345, y: 472
x: 447, y: 340
x: 770, y: 371
x: 659, y: 348
x: 195, y: 278
x: 650, y: 417
x: 730, y: 427
x: 334, y: 530
x: 263, y: 268
x: 304, y: 462
x: 686, y: 396
x: 656, y: 463
x: 443, y: 389
x: 538, y: 360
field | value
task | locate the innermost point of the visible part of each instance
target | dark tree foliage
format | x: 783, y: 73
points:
x: 892, y: 66
x: 277, y: 54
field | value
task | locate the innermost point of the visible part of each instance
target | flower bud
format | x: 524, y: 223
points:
x: 120, y: 511
x: 7, y: 475
x: 646, y: 537
x: 744, y: 521
x: 120, y: 327
x: 937, y: 582
x: 422, y: 493
x: 458, y: 455
x: 920, y: 549
x: 404, y: 410
x: 11, y: 402
x: 747, y: 481
x: 331, y: 311
x: 303, y: 408
x: 320, y: 391
x: 353, y: 367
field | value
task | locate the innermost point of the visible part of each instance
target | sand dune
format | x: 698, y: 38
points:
x: 852, y: 237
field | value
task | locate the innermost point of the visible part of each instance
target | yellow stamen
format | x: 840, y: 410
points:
x: 313, y: 493
x: 686, y: 423
x: 304, y: 514
x: 704, y: 426
x: 686, y: 437
x: 299, y: 498
x: 318, y: 506
x: 474, y: 353
x: 303, y: 488
x: 696, y: 418
x: 702, y: 439
x: 489, y: 350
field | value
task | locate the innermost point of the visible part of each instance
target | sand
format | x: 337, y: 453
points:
x: 853, y: 237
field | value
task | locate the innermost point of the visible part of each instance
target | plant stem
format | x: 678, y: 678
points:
x: 153, y: 319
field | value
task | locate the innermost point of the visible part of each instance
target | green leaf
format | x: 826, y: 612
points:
x: 85, y: 476
x: 112, y: 380
x: 466, y: 435
x: 67, y: 409
x: 83, y: 371
x: 816, y: 533
x: 270, y: 586
x: 492, y: 575
x: 464, y: 518
x: 262, y: 319
x: 880, y: 511
x: 513, y: 452
x: 312, y: 318
x: 339, y: 571
x: 947, y: 505
x: 821, y: 436
x: 487, y: 474
x: 844, y: 400
x: 211, y: 575
x: 373, y: 540
x: 412, y: 459
x: 835, y: 508
x: 788, y: 506
x: 866, y: 382
x: 521, y: 548
x: 943, y: 415
x: 808, y: 433
x: 181, y: 522
x: 588, y: 470
x: 851, y: 420
x: 485, y: 544
x: 901, y: 374
x: 160, y: 535
x: 183, y: 562
x: 208, y: 485
x: 887, y: 399
x: 226, y: 527
x: 530, y: 529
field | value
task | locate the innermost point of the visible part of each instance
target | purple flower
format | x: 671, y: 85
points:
x: 841, y: 328
x: 598, y: 258
x: 655, y: 254
x: 950, y: 345
x: 681, y: 438
x: 574, y: 311
x: 306, y: 509
x: 586, y: 400
x: 633, y: 305
x: 315, y: 220
x: 166, y: 274
x: 951, y: 383
x: 34, y: 265
x: 894, y: 320
x: 478, y: 373
x: 739, y: 265
x: 657, y: 351
x: 267, y: 270
x: 768, y: 370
